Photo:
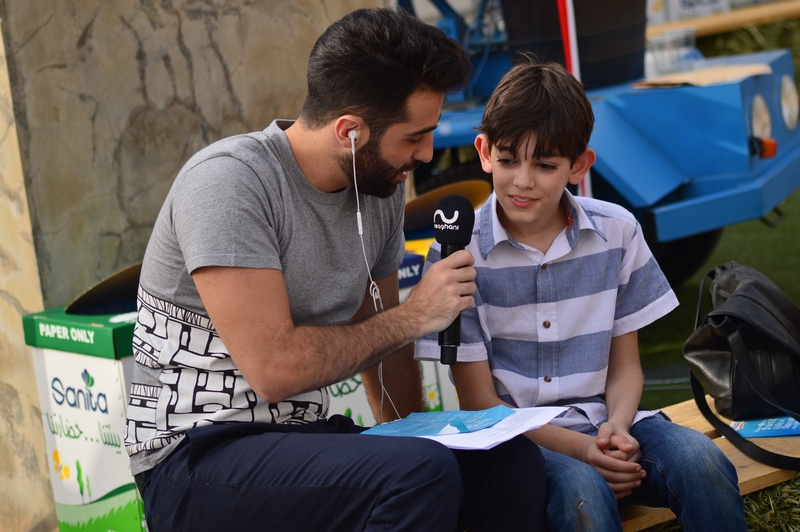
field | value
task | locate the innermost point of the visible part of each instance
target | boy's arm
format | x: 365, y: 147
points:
x: 476, y: 391
x: 475, y: 386
x: 623, y: 393
x: 401, y: 374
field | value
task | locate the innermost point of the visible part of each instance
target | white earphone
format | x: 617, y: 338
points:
x: 352, y: 134
x: 374, y: 290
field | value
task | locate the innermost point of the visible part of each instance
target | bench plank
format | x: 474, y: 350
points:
x: 635, y: 518
x: 753, y: 476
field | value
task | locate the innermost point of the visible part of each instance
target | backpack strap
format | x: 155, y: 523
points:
x: 776, y: 460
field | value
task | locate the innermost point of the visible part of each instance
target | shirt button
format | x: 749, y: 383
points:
x: 544, y: 266
x: 547, y: 379
x: 546, y: 325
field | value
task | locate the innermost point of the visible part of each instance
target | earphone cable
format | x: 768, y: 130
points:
x: 373, y: 286
x: 374, y: 290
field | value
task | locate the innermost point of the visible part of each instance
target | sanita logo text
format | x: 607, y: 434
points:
x: 447, y: 227
x: 82, y: 399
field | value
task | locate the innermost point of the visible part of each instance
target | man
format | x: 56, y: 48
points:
x: 257, y: 292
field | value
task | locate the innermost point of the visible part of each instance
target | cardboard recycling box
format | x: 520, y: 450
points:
x: 82, y: 354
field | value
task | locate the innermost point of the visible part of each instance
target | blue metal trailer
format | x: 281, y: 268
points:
x: 687, y: 160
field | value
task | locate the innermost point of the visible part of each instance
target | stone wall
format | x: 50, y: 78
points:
x: 25, y: 493
x: 106, y: 100
x: 111, y: 97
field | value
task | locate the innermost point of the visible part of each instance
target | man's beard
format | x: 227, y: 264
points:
x: 374, y: 173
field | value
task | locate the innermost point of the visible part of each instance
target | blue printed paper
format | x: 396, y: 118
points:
x: 440, y: 423
x: 767, y: 427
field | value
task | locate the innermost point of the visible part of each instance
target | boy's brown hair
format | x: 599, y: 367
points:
x: 540, y: 98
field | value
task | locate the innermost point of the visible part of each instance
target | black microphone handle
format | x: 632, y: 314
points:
x: 449, y: 249
x: 450, y: 338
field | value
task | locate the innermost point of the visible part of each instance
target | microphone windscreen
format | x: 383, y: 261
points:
x: 453, y: 221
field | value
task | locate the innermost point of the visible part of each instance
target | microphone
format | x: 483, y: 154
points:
x: 452, y: 227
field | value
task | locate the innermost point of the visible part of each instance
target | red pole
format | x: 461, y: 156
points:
x: 565, y: 39
x: 569, y: 40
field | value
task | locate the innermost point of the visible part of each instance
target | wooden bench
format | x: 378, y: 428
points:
x: 753, y: 476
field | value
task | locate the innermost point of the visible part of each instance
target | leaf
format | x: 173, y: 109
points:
x: 80, y: 475
x: 87, y: 378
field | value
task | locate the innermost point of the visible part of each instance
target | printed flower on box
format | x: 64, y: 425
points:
x: 61, y: 469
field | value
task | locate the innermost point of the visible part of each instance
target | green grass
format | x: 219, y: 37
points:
x: 782, y: 34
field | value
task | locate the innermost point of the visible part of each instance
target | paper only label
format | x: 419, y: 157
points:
x: 76, y: 334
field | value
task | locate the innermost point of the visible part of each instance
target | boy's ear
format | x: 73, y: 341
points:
x: 484, y: 152
x: 581, y: 166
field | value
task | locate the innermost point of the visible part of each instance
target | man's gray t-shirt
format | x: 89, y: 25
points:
x: 244, y: 202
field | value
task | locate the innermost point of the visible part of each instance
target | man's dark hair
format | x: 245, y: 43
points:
x: 369, y: 62
x: 540, y: 98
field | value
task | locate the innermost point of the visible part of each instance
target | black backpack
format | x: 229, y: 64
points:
x: 746, y: 355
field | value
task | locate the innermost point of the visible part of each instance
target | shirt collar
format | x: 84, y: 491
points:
x: 491, y: 232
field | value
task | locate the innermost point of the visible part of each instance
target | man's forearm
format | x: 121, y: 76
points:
x: 321, y: 355
x: 443, y: 292
x: 250, y: 309
x: 402, y: 380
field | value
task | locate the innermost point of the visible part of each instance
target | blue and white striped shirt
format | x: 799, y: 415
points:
x: 545, y: 321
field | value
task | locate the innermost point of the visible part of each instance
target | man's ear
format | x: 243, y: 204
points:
x: 484, y: 152
x: 581, y: 166
x: 346, y: 124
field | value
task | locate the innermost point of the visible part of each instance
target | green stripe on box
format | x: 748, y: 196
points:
x: 93, y: 335
x: 121, y: 513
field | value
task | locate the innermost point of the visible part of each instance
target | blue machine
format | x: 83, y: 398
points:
x: 688, y: 157
x: 686, y: 160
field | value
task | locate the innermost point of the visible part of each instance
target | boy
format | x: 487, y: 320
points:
x: 564, y: 283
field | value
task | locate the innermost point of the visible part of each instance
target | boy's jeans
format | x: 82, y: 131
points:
x: 686, y: 472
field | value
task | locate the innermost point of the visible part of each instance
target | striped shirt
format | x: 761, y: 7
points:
x: 545, y: 321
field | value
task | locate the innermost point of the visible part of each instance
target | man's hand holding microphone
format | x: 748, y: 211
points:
x: 447, y: 287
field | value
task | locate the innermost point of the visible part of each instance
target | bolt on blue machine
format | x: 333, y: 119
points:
x: 686, y: 159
